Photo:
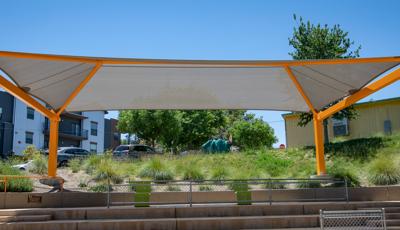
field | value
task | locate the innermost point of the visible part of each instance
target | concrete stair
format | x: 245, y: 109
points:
x: 261, y: 216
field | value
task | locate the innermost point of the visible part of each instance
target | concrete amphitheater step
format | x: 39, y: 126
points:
x: 25, y: 218
x: 222, y: 223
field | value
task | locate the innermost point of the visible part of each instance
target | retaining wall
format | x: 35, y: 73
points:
x: 90, y: 199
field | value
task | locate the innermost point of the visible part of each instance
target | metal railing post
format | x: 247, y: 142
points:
x: 5, y: 184
x: 384, y: 218
x: 190, y: 193
x: 270, y: 191
x: 346, y: 190
x: 321, y: 220
x: 108, y: 192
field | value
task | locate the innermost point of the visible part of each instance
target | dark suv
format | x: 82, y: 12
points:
x: 64, y: 154
x: 134, y: 151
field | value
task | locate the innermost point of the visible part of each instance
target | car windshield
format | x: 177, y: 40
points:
x: 122, y: 148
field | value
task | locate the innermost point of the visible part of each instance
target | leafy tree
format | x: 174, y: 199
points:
x: 322, y: 42
x: 150, y: 125
x: 200, y: 125
x: 251, y: 132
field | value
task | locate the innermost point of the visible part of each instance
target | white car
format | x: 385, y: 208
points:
x: 24, y: 166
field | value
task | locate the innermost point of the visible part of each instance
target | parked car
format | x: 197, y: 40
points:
x: 64, y: 154
x: 24, y: 166
x: 134, y: 151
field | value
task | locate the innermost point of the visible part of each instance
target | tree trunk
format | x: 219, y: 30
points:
x: 326, y: 133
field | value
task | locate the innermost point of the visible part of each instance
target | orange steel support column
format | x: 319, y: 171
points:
x: 319, y: 145
x: 53, y: 146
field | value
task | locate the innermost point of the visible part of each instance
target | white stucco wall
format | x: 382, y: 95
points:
x: 22, y: 124
x: 98, y: 117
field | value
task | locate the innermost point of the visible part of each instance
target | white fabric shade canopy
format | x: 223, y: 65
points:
x: 174, y: 84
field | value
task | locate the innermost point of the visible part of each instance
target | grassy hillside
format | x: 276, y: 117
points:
x: 368, y: 161
x: 364, y: 162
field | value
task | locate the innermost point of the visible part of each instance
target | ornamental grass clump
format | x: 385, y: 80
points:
x: 156, y: 169
x: 384, y: 170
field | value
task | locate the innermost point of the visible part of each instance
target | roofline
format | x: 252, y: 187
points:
x: 393, y: 99
x: 232, y: 63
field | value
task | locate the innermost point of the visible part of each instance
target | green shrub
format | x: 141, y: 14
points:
x: 39, y: 165
x: 156, y: 170
x: 173, y: 188
x: 107, y: 170
x: 30, y: 152
x: 75, y: 165
x: 205, y: 188
x: 14, y: 184
x: 361, y: 148
x: 91, y: 162
x: 340, y: 170
x: 99, y: 188
x: 384, y: 170
x: 163, y: 176
x: 239, y: 186
x: 274, y: 185
x: 82, y: 184
x: 192, y: 172
x: 272, y: 164
x: 219, y: 172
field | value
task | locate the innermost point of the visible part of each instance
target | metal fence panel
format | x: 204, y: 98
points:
x: 353, y: 219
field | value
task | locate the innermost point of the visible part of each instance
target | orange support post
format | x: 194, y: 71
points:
x: 53, y: 146
x: 319, y: 145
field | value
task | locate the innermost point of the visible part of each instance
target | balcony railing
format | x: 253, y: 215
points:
x: 82, y: 133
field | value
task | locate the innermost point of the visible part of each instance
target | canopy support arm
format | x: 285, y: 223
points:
x: 362, y: 93
x: 50, y: 114
x: 300, y: 89
x: 26, y: 98
x: 318, y: 127
x: 80, y: 87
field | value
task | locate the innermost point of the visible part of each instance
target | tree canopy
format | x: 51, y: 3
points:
x: 189, y: 129
x: 311, y: 41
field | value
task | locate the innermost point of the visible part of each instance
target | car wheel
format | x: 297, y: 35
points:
x: 64, y: 163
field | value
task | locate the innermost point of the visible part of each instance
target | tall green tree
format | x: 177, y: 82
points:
x: 198, y: 126
x: 173, y: 129
x: 311, y: 41
x: 252, y: 133
x: 151, y: 125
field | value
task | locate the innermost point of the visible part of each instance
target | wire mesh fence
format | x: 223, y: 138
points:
x: 353, y: 219
x: 227, y: 191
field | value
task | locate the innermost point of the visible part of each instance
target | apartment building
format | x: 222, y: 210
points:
x: 21, y: 126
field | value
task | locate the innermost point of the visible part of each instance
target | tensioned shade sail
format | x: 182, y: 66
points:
x: 180, y: 84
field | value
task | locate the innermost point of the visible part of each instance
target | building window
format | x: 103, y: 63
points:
x: 340, y: 127
x: 28, y: 137
x: 93, y: 128
x: 30, y: 113
x: 387, y: 127
x: 93, y: 147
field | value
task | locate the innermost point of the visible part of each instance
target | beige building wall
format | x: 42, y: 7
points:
x: 370, y: 121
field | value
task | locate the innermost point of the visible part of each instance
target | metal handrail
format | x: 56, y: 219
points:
x: 269, y: 182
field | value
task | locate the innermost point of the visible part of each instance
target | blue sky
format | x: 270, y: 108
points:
x: 232, y: 29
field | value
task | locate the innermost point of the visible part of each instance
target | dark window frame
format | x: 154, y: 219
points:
x: 28, y: 140
x: 30, y: 113
x: 90, y: 147
x: 93, y: 132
